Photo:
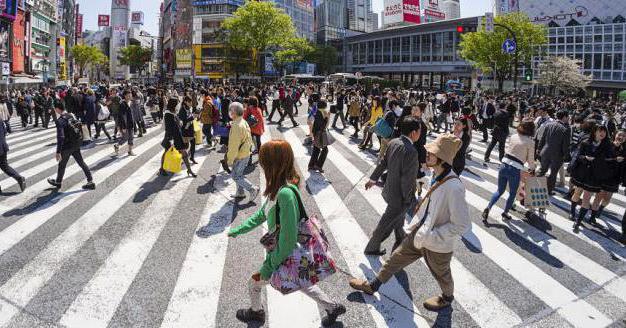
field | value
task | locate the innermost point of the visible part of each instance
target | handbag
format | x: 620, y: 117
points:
x: 418, y: 225
x: 310, y: 262
x: 382, y: 128
x: 252, y: 121
x: 536, y: 193
x: 104, y: 113
x: 173, y: 161
x: 197, y: 132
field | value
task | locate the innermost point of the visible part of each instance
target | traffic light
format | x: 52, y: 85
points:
x: 460, y: 29
x: 465, y: 29
x: 529, y: 75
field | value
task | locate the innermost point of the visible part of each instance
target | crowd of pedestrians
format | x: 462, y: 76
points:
x: 534, y: 135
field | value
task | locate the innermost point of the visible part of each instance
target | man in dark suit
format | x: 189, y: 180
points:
x: 126, y: 124
x: 553, y: 147
x: 4, y: 165
x: 500, y: 132
x: 402, y: 165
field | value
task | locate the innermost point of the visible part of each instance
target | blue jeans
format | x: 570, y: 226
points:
x: 507, y: 175
x: 238, y: 176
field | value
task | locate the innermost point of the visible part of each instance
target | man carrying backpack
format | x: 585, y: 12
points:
x: 69, y: 139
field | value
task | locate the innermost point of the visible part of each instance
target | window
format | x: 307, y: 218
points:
x: 426, y: 47
x: 561, y: 40
x: 608, y: 61
x: 416, y: 49
x: 379, y: 52
x: 406, y: 49
x: 395, y: 50
x: 618, y: 37
x: 587, y: 61
x: 617, y: 61
x: 437, y: 46
x: 569, y: 39
x: 448, y: 46
x: 362, y: 52
x: 370, y: 52
x: 578, y: 39
x: 387, y: 51
x: 597, y: 38
x: 597, y: 61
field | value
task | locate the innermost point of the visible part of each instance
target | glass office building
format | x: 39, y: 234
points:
x: 301, y: 12
x: 423, y: 55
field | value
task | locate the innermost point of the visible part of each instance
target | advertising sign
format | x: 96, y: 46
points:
x: 434, y: 14
x: 411, y: 11
x: 218, y: 2
x: 5, y: 47
x: 183, y: 59
x: 393, y: 12
x: 10, y: 9
x: 19, y: 35
x: 3, y: 5
x: 61, y: 49
x: 104, y: 20
x: 6, y: 69
x: 563, y: 12
x: 136, y: 17
x: 120, y: 4
x: 79, y: 26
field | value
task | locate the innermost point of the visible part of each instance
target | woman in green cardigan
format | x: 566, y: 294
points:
x: 277, y: 160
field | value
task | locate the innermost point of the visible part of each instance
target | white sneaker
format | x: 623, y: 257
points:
x: 254, y: 193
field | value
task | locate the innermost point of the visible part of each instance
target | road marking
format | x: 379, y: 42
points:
x: 14, y: 233
x: 351, y: 240
x: 100, y: 297
x: 25, y: 284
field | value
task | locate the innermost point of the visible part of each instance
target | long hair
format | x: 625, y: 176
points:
x: 276, y: 159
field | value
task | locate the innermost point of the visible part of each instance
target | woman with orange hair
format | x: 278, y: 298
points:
x: 277, y: 161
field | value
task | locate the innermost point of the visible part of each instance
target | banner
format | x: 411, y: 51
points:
x: 136, y: 17
x: 411, y: 11
x: 19, y: 36
x: 104, y: 20
x: 10, y: 9
x: 79, y: 26
x: 183, y: 59
x: 393, y: 12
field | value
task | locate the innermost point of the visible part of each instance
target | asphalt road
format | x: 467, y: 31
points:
x: 149, y: 251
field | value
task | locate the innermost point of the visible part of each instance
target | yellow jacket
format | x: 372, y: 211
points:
x: 376, y: 114
x: 239, y: 141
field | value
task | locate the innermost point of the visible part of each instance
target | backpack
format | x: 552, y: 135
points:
x: 75, y: 128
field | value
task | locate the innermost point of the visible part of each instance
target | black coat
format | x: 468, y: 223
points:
x: 501, y: 124
x: 172, y: 131
x: 459, y: 159
x: 125, y: 117
x: 185, y: 115
x: 590, y: 175
x: 4, y: 147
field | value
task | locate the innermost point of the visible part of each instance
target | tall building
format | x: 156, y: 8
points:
x: 359, y: 15
x: 451, y: 8
x: 120, y: 15
x: 301, y: 13
x: 43, y: 32
x: 330, y: 20
x: 208, y: 44
x: 66, y: 38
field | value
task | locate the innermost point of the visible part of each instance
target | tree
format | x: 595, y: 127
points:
x: 294, y: 51
x: 258, y: 26
x: 562, y: 73
x: 84, y: 56
x: 136, y: 57
x: 102, y: 65
x: 325, y: 58
x: 484, y: 50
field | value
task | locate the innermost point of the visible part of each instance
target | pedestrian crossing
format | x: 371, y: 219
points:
x: 149, y: 251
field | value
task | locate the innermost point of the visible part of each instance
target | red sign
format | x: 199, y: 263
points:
x: 19, y: 36
x: 79, y: 26
x: 435, y: 14
x: 104, y: 20
x: 411, y: 11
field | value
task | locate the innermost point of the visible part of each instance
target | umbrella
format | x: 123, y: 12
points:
x: 622, y: 95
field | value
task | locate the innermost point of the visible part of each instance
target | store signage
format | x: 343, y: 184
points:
x: 217, y: 2
x: 79, y: 26
x: 579, y: 11
x: 398, y: 11
x: 183, y: 58
x: 104, y: 20
x: 411, y: 11
x: 137, y: 17
x: 10, y: 9
x: 434, y: 14
x: 6, y: 69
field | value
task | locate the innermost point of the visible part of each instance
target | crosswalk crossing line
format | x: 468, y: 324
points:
x: 576, y: 261
x: 35, y: 157
x: 24, y: 285
x: 480, y: 303
x: 351, y: 239
x: 565, y: 225
x: 72, y: 168
x: 14, y: 233
x: 483, y: 147
x: 16, y: 138
x: 365, y: 156
x: 33, y: 145
x: 602, y: 220
x: 99, y: 298
x: 611, y: 207
x: 282, y: 307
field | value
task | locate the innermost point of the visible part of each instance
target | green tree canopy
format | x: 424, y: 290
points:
x: 295, y: 50
x: 325, y: 58
x: 484, y: 50
x: 84, y: 56
x: 135, y: 56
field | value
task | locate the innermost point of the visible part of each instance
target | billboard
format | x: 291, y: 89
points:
x: 136, y: 17
x: 393, y: 12
x: 183, y: 59
x: 10, y: 9
x: 434, y: 15
x: 79, y: 26
x: 19, y: 36
x: 581, y: 12
x: 5, y: 37
x: 62, y: 65
x: 411, y: 11
x: 104, y: 20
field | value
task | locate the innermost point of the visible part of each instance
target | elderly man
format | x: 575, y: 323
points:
x: 239, y: 149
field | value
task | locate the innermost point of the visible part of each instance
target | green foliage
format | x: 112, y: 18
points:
x: 135, y: 56
x: 85, y: 55
x: 325, y: 58
x: 484, y: 50
x: 295, y: 50
x: 259, y: 25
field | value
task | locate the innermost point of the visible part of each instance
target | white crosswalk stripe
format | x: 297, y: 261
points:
x: 196, y: 293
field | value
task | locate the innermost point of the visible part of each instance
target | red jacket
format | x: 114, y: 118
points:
x: 258, y: 129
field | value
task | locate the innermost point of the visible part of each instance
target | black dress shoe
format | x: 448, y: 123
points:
x: 54, y: 183
x: 332, y: 316
x: 249, y: 315
x: 376, y: 253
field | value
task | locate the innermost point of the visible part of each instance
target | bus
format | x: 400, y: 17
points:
x: 303, y: 78
x: 455, y: 86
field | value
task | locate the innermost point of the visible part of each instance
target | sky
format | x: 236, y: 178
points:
x: 91, y: 9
